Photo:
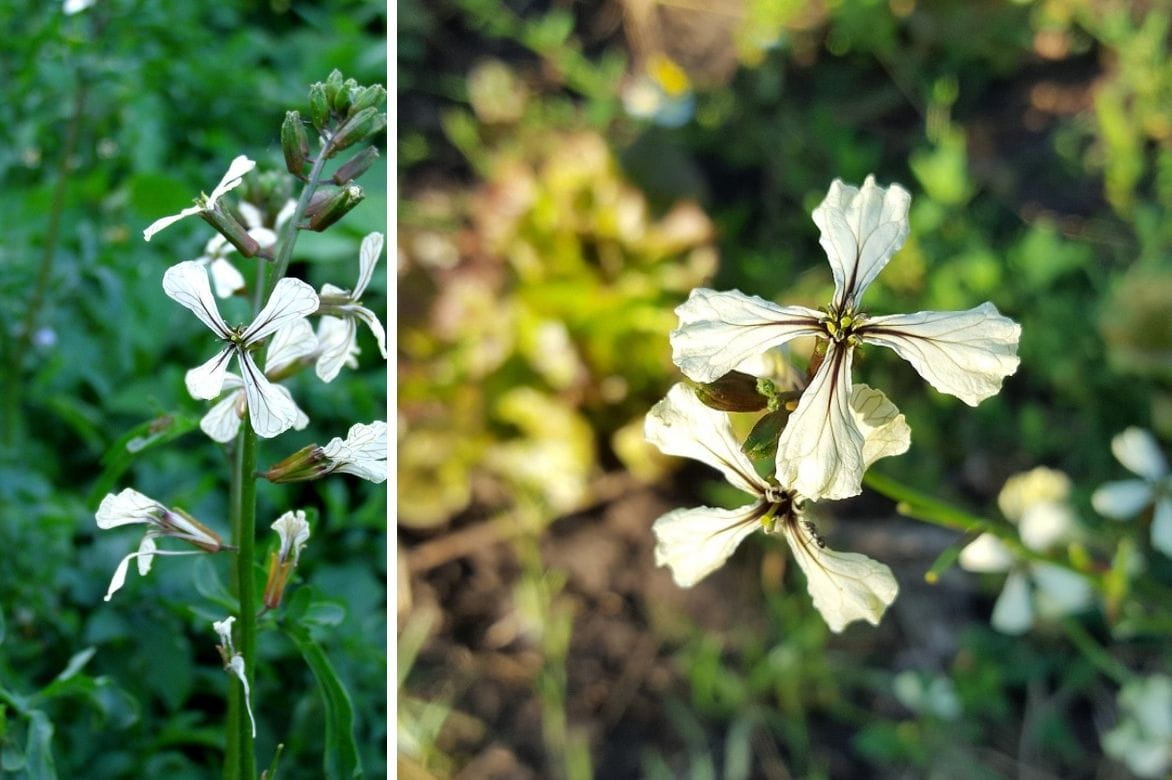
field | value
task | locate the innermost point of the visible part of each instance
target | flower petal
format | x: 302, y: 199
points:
x: 1060, y: 591
x: 164, y: 222
x: 363, y: 453
x: 206, y: 381
x: 290, y: 300
x: 146, y: 554
x: 845, y: 586
x: 1122, y: 500
x: 222, y: 422
x: 186, y: 283
x: 720, y: 330
x: 232, y: 179
x: 251, y: 214
x: 682, y: 425
x: 1138, y: 451
x: 126, y: 508
x: 1162, y: 526
x: 293, y: 531
x: 368, y: 255
x: 820, y: 452
x: 693, y: 543
x: 860, y: 231
x: 225, y: 278
x: 270, y: 411
x: 119, y: 578
x: 236, y: 666
x: 885, y: 431
x: 376, y: 327
x: 986, y: 554
x: 1045, y: 524
x: 963, y: 353
x: 291, y: 343
x: 336, y: 338
x: 1014, y: 611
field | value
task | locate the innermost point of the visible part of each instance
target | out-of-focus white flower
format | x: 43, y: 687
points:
x: 234, y: 662
x: 661, y: 93
x: 131, y: 507
x: 935, y: 696
x: 362, y: 453
x: 236, y: 170
x: 1143, y: 737
x: 1140, y: 454
x: 966, y: 354
x: 291, y: 343
x: 694, y: 542
x: 1036, y: 501
x: 337, y: 332
x: 71, y: 7
x: 270, y: 411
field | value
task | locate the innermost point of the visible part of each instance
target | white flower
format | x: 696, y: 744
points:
x: 966, y: 354
x: 234, y: 662
x: 337, y: 332
x: 1138, y: 451
x: 291, y: 343
x: 1036, y: 501
x: 131, y: 507
x: 1143, y: 737
x: 270, y: 411
x: 236, y: 170
x: 363, y: 453
x: 293, y: 531
x: 694, y: 542
x: 71, y: 7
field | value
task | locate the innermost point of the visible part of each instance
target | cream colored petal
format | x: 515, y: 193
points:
x: 1047, y: 524
x: 206, y: 381
x: 1122, y: 500
x: 336, y: 338
x: 232, y: 179
x: 860, y: 231
x: 376, y: 327
x: 291, y: 343
x: 1162, y: 526
x: 693, y: 543
x: 820, y: 452
x: 119, y: 578
x: 986, y: 554
x: 223, y: 629
x: 682, y: 425
x: 363, y: 453
x: 964, y: 353
x: 293, y: 532
x: 270, y: 411
x: 720, y: 330
x: 1014, y: 611
x: 885, y: 431
x: 225, y: 278
x: 291, y: 300
x: 251, y: 214
x: 368, y: 255
x: 146, y: 554
x: 285, y: 213
x: 845, y: 586
x: 1139, y: 452
x: 1060, y: 591
x: 165, y: 222
x: 186, y: 283
x: 222, y: 421
x: 126, y: 508
x: 263, y: 236
x: 1038, y: 485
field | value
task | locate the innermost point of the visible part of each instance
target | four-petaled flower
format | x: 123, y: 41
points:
x: 270, y: 412
x: 232, y: 179
x: 337, y: 332
x: 694, y: 542
x: 966, y: 354
x: 362, y: 453
x: 1142, y: 739
x: 130, y: 507
x: 1138, y: 451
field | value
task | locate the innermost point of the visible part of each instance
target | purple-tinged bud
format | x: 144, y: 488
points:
x: 308, y: 463
x: 294, y: 143
x: 329, y: 204
x: 333, y: 85
x: 356, y: 165
x: 733, y: 392
x: 319, y: 105
x: 359, y: 127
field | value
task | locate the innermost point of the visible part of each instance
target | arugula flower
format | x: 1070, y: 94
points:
x: 232, y: 179
x: 337, y: 332
x: 1138, y: 451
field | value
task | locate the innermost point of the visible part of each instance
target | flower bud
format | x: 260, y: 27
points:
x: 329, y: 204
x: 294, y: 143
x: 319, y: 106
x: 368, y: 97
x: 733, y: 392
x: 293, y: 533
x: 333, y: 86
x: 356, y: 165
x: 306, y: 464
x: 227, y: 226
x: 762, y: 440
x: 341, y: 102
x: 358, y: 128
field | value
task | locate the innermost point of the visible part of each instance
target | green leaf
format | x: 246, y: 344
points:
x: 38, y: 752
x: 133, y: 443
x: 341, y: 758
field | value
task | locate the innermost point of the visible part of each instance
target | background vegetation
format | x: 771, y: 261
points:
x: 568, y: 172
x: 115, y: 116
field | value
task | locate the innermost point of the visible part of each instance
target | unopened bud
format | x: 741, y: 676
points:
x: 294, y: 143
x: 358, y: 128
x: 356, y: 165
x: 341, y: 102
x: 762, y: 440
x: 329, y: 204
x: 368, y: 97
x: 306, y: 464
x: 733, y: 392
x: 334, y: 85
x: 227, y: 226
x: 319, y: 105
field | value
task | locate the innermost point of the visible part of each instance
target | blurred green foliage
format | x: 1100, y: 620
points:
x: 124, y: 112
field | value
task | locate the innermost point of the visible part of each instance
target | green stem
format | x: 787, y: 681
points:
x: 292, y: 230
x: 1095, y: 653
x: 240, y: 760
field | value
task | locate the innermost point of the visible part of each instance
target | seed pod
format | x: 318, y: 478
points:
x: 733, y: 392
x: 358, y: 128
x: 319, y: 106
x: 294, y: 143
x: 356, y: 165
x: 329, y: 204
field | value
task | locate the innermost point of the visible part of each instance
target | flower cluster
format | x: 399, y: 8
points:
x: 833, y: 429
